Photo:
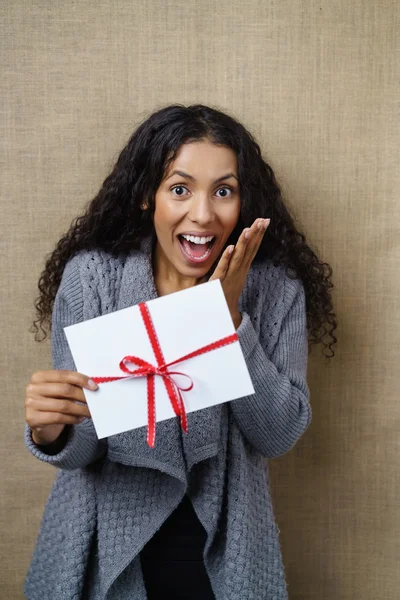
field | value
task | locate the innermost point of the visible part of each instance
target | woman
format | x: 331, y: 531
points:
x: 189, y: 199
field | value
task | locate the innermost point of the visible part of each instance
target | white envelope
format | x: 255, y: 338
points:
x: 184, y: 322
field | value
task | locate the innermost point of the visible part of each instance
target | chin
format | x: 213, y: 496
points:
x: 195, y: 272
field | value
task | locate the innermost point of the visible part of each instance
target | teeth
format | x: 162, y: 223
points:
x: 198, y: 240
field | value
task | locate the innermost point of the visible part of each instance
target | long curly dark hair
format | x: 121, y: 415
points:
x: 115, y: 220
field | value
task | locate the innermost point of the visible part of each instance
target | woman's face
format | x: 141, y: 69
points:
x: 197, y: 206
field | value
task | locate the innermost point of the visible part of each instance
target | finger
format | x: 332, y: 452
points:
x: 63, y: 376
x: 240, y: 250
x: 223, y: 264
x: 54, y: 405
x: 258, y: 230
x: 52, y: 418
x: 244, y: 247
x: 256, y: 236
x: 56, y: 390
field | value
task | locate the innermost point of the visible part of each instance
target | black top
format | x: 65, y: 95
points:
x: 172, y: 561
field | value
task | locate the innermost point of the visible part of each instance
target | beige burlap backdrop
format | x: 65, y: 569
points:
x: 316, y: 83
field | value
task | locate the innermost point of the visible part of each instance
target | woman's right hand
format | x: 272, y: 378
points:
x: 49, y: 403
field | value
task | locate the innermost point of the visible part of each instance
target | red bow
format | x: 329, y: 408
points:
x: 148, y: 370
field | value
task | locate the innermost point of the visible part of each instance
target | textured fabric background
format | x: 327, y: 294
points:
x: 317, y: 84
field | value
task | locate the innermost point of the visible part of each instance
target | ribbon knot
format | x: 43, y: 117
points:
x: 146, y: 369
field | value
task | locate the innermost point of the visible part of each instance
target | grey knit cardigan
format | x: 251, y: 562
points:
x: 110, y: 496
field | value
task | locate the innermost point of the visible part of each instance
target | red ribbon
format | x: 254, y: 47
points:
x: 146, y: 369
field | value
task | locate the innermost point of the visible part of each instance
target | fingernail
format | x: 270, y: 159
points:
x: 266, y: 223
x: 247, y: 234
x: 231, y: 249
x: 81, y: 419
x: 92, y: 384
x: 260, y: 225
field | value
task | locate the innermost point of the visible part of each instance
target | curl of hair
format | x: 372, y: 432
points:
x: 115, y: 220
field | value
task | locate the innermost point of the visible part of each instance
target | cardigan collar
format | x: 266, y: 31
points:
x: 137, y: 284
x: 175, y: 452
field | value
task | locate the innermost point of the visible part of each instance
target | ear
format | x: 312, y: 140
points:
x: 145, y: 205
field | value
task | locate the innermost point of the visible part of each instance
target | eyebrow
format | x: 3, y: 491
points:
x: 183, y: 174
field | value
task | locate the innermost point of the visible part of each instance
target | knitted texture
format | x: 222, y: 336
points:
x: 110, y: 496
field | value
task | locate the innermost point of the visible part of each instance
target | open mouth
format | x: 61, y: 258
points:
x: 196, y: 249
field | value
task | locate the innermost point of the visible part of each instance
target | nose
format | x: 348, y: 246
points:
x: 201, y: 210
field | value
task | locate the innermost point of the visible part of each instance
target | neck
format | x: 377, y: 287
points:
x: 167, y: 279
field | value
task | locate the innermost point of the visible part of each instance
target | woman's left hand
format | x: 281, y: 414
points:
x: 234, y: 265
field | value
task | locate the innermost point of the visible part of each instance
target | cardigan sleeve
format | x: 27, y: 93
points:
x: 81, y: 445
x: 275, y: 417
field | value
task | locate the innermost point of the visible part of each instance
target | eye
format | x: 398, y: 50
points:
x: 226, y: 189
x: 178, y: 187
